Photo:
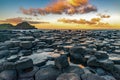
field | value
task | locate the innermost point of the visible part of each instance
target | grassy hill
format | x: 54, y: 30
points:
x: 6, y: 26
x: 23, y: 25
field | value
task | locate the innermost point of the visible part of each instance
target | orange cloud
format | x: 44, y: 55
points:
x: 77, y: 3
x: 93, y: 21
x: 20, y: 19
x: 62, y: 6
x: 104, y: 16
x: 12, y: 20
x: 81, y: 21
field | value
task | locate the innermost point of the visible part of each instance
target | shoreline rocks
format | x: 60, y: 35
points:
x: 60, y: 55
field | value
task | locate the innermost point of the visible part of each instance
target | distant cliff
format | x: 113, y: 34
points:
x: 23, y: 25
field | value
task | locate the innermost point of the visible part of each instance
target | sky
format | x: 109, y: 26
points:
x: 62, y: 14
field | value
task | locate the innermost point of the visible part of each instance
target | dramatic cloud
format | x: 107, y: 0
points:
x: 20, y: 19
x: 104, y: 16
x: 62, y: 6
x: 12, y: 20
x: 94, y: 21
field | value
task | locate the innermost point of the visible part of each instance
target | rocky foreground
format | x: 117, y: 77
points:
x: 59, y: 55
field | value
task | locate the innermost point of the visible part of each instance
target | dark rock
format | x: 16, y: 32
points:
x: 28, y: 74
x: 13, y: 58
x: 26, y: 79
x: 68, y: 76
x: 91, y: 77
x: 9, y: 65
x: 41, y: 45
x: 106, y: 64
x: 116, y: 61
x: 92, y: 70
x: 101, y: 55
x: 86, y: 70
x: 39, y: 59
x: 117, y: 68
x: 100, y: 71
x: 26, y: 44
x: 47, y: 40
x: 4, y: 53
x: 78, y: 55
x: 14, y: 52
x: 25, y: 52
x: 107, y: 77
x: 74, y: 69
x: 48, y: 50
x: 26, y: 38
x: 117, y: 51
x: 47, y: 73
x: 9, y: 44
x: 42, y: 63
x: 24, y: 63
x: 3, y: 47
x: 92, y: 61
x: 100, y: 46
x: 115, y: 58
x: 61, y: 62
x: 8, y: 75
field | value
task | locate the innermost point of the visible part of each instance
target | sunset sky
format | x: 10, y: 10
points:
x: 62, y: 14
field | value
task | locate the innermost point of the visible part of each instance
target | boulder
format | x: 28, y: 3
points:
x: 41, y: 63
x: 61, y: 62
x: 9, y: 44
x: 41, y: 45
x: 47, y: 73
x: 26, y: 44
x: 14, y: 52
x: 68, y: 76
x: 117, y: 68
x: 28, y: 74
x: 117, y: 51
x: 26, y: 78
x: 9, y: 75
x: 106, y: 64
x: 107, y: 77
x: 8, y: 65
x: 4, y: 53
x: 26, y: 38
x: 115, y: 58
x: 91, y: 77
x: 100, y: 71
x: 74, y: 69
x: 77, y: 55
x: 25, y: 52
x: 3, y: 47
x: 101, y: 55
x: 92, y: 61
x: 13, y: 58
x: 86, y: 70
x: 24, y: 63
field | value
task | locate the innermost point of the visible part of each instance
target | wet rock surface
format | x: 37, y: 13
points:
x: 60, y: 55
